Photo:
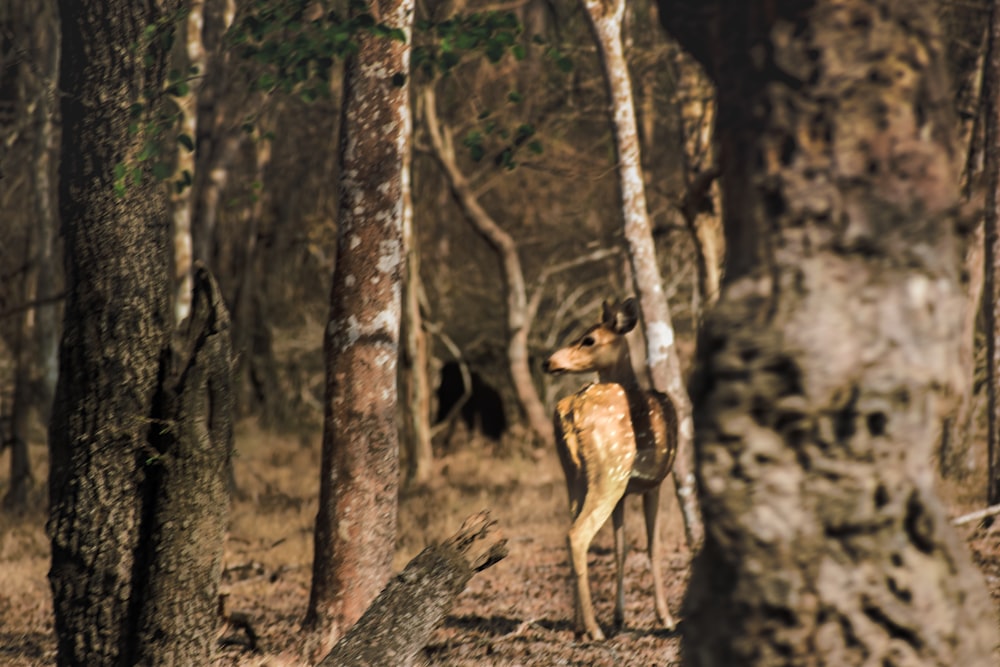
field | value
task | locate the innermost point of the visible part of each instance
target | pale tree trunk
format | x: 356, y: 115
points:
x: 701, y: 205
x: 416, y: 406
x: 827, y: 364
x: 219, y: 137
x: 664, y: 363
x: 182, y: 201
x: 991, y: 263
x: 515, y: 292
x: 359, y: 476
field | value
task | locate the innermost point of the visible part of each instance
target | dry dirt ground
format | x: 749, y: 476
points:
x: 516, y: 613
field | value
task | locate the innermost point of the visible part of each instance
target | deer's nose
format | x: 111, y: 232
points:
x: 547, y: 365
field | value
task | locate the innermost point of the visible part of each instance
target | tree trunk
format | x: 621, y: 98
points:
x: 518, y: 316
x: 664, y: 364
x: 401, y: 619
x: 991, y: 262
x: 138, y: 437
x: 356, y: 523
x: 114, y: 330
x: 182, y: 201
x: 189, y: 477
x: 413, y: 374
x: 821, y: 371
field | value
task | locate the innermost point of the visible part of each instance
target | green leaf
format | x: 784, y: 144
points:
x: 535, y: 147
x: 161, y: 171
x: 515, y: 97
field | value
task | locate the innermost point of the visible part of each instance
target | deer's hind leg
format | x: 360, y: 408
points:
x: 651, y: 510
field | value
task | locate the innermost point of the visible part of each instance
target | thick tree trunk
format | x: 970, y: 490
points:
x: 991, y: 261
x: 189, y: 477
x: 115, y: 331
x: 401, y: 619
x: 821, y: 373
x: 664, y: 364
x: 359, y: 482
x: 516, y: 296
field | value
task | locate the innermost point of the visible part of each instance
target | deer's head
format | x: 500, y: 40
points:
x: 602, y: 348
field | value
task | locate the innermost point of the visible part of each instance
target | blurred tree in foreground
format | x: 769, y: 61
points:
x: 822, y: 371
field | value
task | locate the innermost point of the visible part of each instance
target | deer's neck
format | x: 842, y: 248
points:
x: 622, y: 373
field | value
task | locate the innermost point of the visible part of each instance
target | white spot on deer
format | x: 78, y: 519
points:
x: 349, y: 280
x: 352, y: 330
x: 355, y: 241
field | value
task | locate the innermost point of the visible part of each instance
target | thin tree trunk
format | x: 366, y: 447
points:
x: 359, y: 476
x: 413, y: 374
x: 991, y: 262
x: 664, y: 364
x: 516, y: 299
x: 182, y: 201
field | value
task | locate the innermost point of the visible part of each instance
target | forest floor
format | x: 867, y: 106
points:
x: 518, y: 612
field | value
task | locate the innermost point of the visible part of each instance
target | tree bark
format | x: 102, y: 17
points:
x: 356, y: 522
x: 664, y: 364
x: 138, y: 445
x: 821, y: 373
x: 991, y: 260
x: 401, y: 619
x: 114, y: 330
x: 182, y: 551
x: 518, y: 320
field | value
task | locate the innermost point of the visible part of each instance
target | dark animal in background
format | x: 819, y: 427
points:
x: 482, y: 409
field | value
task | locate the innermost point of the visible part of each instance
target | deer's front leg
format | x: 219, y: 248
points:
x: 618, y: 521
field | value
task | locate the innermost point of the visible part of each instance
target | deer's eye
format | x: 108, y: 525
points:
x: 588, y: 341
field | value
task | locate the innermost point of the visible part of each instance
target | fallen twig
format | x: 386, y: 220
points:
x: 977, y: 515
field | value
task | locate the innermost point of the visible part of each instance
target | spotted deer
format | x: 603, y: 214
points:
x: 614, y: 438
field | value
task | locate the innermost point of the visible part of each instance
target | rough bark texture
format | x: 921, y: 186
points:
x: 664, y: 364
x: 115, y: 329
x: 356, y: 523
x: 515, y: 292
x: 182, y: 543
x: 821, y: 372
x: 991, y: 260
x: 401, y: 619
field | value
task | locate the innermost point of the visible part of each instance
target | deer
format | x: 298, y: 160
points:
x: 614, y: 438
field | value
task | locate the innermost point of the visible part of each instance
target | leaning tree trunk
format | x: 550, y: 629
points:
x: 821, y: 371
x: 991, y: 262
x: 400, y: 621
x: 359, y: 475
x: 664, y: 364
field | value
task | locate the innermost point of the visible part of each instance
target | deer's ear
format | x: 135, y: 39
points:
x: 626, y: 317
x: 609, y: 311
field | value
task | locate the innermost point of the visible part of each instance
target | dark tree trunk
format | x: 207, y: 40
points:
x: 401, y: 619
x: 820, y: 373
x: 115, y: 330
x: 189, y: 481
x: 136, y: 512
x: 359, y: 476
x: 991, y: 261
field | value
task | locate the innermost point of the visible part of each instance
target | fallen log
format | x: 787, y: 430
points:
x: 398, y: 624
